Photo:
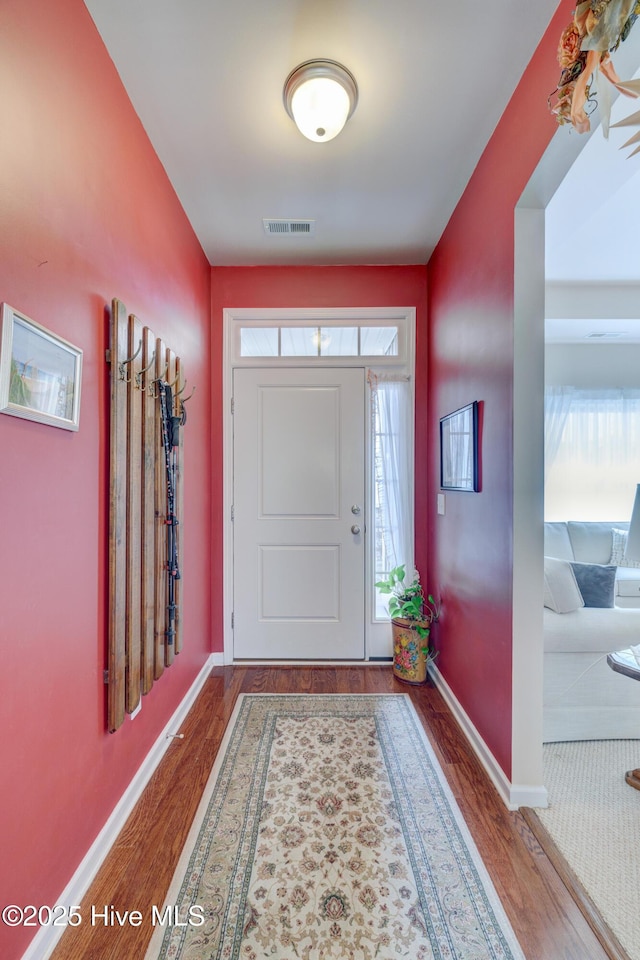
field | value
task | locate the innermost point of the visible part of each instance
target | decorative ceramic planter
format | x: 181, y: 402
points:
x: 409, y: 662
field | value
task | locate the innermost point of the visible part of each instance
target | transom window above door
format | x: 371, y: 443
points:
x: 316, y: 336
x: 320, y: 341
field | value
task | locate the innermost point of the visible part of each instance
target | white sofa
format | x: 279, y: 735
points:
x: 583, y: 698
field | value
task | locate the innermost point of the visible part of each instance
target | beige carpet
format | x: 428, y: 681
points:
x: 594, y: 819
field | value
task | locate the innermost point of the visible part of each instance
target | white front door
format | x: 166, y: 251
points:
x: 298, y: 531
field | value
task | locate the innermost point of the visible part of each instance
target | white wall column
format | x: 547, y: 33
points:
x: 528, y: 507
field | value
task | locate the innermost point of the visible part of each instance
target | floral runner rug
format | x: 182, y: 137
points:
x: 327, y: 832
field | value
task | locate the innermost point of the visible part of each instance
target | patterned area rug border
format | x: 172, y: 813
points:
x: 327, y: 829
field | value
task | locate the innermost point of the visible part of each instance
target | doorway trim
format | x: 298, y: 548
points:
x: 527, y: 781
x: 527, y: 775
x: 232, y: 319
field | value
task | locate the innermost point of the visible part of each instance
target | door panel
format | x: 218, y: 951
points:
x: 300, y: 581
x: 299, y: 466
x: 293, y: 484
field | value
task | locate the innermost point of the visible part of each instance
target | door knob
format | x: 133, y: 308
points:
x: 355, y: 528
x: 355, y: 509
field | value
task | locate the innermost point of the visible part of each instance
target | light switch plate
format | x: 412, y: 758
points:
x: 441, y: 504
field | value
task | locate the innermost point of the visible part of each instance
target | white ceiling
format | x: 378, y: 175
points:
x: 592, y: 260
x: 206, y: 79
x: 591, y: 221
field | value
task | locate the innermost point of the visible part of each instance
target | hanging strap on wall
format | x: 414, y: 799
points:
x: 170, y: 442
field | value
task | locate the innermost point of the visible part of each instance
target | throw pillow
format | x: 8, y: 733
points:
x: 561, y: 591
x: 596, y: 582
x: 619, y: 549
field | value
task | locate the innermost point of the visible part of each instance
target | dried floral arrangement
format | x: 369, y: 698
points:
x: 596, y: 31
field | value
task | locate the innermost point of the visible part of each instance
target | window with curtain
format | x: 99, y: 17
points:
x: 392, y: 421
x: 592, y: 453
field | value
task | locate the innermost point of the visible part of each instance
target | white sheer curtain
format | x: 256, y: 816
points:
x: 597, y: 463
x: 557, y: 403
x: 392, y: 421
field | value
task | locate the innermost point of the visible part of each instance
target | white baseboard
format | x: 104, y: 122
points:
x: 523, y: 795
x: 311, y: 663
x: 43, y: 944
x: 512, y: 795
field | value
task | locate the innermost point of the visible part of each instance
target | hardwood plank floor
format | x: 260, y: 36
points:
x: 137, y: 872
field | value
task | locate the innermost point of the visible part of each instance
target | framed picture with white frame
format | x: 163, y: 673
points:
x: 40, y: 373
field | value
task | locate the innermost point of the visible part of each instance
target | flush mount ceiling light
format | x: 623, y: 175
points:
x: 320, y: 96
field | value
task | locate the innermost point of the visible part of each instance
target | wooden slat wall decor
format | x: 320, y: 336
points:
x: 148, y: 486
x: 134, y: 528
x: 138, y: 573
x: 117, y: 519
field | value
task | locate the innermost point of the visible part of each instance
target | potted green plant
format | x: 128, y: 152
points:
x: 411, y: 617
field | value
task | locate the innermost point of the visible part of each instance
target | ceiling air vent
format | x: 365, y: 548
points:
x: 289, y: 228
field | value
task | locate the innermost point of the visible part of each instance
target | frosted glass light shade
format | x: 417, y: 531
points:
x: 320, y: 96
x: 320, y: 108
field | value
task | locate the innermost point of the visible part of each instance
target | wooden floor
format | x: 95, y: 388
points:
x: 137, y: 872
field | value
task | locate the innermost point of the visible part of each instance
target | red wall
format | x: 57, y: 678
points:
x: 402, y: 286
x: 471, y: 358
x: 86, y: 214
